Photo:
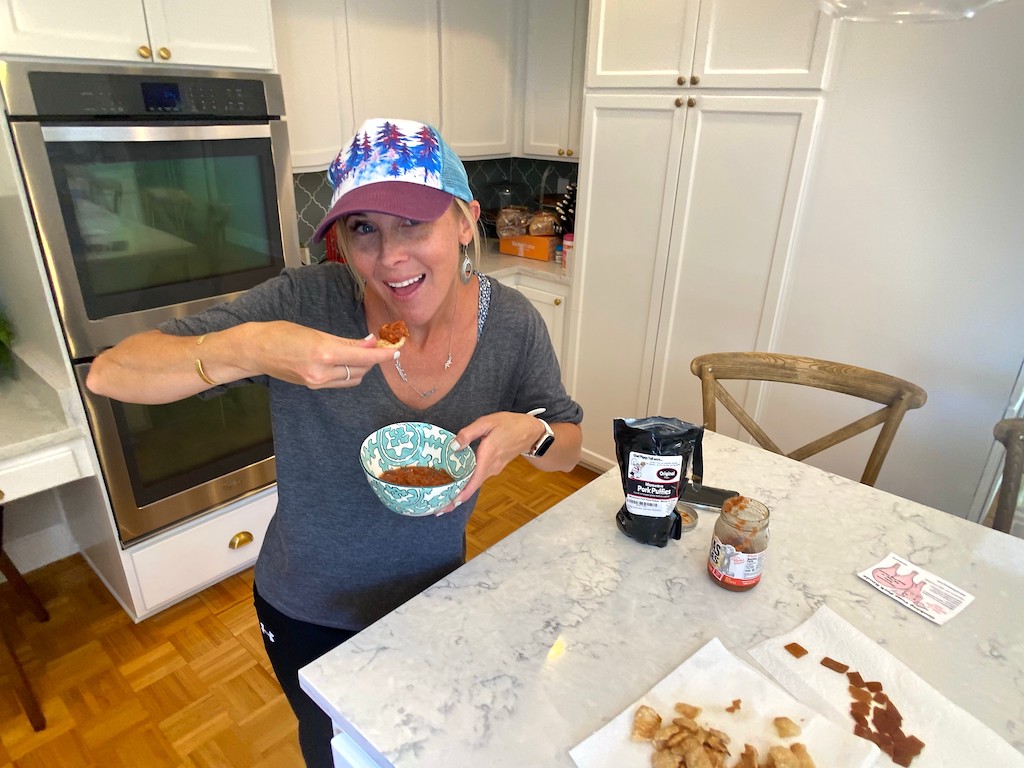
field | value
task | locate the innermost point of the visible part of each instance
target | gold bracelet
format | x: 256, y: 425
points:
x: 199, y: 366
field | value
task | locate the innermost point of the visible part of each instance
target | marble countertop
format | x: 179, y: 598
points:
x: 31, y: 417
x: 499, y: 265
x: 539, y: 641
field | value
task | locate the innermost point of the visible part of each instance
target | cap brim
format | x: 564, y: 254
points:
x: 395, y: 198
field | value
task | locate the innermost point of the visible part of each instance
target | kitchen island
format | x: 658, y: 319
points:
x: 542, y: 639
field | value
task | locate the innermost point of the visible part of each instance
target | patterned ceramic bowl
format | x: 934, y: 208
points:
x: 414, y: 443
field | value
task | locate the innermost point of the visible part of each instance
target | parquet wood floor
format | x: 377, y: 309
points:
x: 190, y: 687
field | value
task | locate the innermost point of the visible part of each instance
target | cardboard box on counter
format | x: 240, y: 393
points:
x: 541, y: 248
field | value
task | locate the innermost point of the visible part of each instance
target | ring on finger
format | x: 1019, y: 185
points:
x: 348, y: 373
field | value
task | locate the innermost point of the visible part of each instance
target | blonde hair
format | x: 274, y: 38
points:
x: 464, y: 210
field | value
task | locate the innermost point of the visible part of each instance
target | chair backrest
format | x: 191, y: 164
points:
x: 1009, y: 432
x: 896, y: 395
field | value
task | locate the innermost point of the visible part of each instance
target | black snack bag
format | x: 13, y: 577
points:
x: 653, y: 454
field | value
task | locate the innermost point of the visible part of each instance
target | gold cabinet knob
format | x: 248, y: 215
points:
x: 691, y: 102
x: 561, y: 152
x: 144, y: 52
x: 240, y: 539
x: 568, y: 152
x: 164, y: 53
x: 694, y: 80
x: 680, y: 80
x: 680, y: 102
x: 558, y: 302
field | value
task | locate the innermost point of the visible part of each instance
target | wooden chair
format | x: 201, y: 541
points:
x: 896, y: 395
x: 1009, y: 432
x: 22, y: 689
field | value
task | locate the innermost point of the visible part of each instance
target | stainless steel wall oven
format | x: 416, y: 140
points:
x: 156, y: 194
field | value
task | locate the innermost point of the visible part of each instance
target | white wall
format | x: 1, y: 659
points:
x: 910, y: 254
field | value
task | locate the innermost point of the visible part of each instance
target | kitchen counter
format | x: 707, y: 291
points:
x: 40, y: 446
x: 540, y: 640
x: 500, y: 265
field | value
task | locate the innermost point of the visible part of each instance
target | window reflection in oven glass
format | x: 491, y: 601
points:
x: 174, y: 447
x: 158, y: 223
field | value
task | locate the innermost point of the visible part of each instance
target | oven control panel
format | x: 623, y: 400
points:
x: 90, y: 94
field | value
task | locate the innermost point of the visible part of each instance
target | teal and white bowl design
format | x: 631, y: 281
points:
x: 415, y: 443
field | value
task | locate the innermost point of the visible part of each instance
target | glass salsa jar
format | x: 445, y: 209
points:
x: 738, y: 544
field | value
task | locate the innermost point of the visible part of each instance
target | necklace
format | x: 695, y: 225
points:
x: 447, y: 363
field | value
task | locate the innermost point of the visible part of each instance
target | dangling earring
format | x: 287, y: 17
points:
x: 466, y: 271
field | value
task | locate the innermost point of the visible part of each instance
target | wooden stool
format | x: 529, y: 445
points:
x: 21, y: 685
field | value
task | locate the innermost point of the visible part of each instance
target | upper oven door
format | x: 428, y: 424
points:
x: 140, y: 223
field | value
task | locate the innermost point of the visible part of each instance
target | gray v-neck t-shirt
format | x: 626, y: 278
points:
x: 333, y: 555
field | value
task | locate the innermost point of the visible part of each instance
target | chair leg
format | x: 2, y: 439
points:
x: 13, y: 575
x: 21, y: 587
x: 22, y: 689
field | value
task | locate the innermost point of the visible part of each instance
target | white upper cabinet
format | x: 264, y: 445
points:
x: 707, y: 43
x: 478, y: 94
x: 312, y: 59
x: 228, y: 33
x: 556, y: 41
x: 394, y: 59
x: 450, y: 63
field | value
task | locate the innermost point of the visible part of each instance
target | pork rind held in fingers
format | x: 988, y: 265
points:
x: 393, y: 335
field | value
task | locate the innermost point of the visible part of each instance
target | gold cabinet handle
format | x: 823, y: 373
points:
x: 561, y: 152
x: 691, y: 102
x: 240, y: 539
x: 680, y: 80
x: 694, y: 80
x: 164, y: 53
x: 680, y: 102
x: 568, y: 152
x: 145, y: 52
x: 558, y: 302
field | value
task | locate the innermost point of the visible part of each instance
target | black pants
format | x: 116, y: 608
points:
x: 292, y: 644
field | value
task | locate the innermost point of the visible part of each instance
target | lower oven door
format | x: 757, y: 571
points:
x: 164, y: 464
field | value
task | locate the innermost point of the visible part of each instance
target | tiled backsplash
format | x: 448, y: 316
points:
x: 313, y: 193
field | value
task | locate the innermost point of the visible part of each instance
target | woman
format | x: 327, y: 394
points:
x: 477, y: 360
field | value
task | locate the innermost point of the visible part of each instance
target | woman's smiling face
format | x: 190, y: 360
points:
x: 410, y: 265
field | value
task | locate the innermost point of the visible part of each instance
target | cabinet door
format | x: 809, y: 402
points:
x: 394, y: 60
x: 626, y: 196
x: 311, y: 39
x: 99, y: 29
x: 763, y: 44
x: 547, y: 100
x: 551, y: 306
x: 228, y: 33
x: 743, y: 168
x: 478, y: 54
x: 640, y: 45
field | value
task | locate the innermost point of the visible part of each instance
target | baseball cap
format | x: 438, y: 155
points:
x: 399, y: 167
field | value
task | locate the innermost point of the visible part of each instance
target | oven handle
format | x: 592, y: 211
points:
x: 126, y: 133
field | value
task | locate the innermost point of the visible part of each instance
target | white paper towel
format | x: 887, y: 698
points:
x: 711, y: 679
x: 952, y: 737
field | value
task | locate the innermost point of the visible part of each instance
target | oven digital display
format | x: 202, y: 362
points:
x: 161, y: 97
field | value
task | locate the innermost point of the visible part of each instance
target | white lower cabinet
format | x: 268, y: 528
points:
x: 550, y: 302
x: 682, y: 243
x: 189, y: 559
x: 548, y: 296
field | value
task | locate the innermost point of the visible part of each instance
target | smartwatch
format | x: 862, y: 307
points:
x: 541, y: 446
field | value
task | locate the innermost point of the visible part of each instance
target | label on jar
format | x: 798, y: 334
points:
x: 652, y: 484
x: 733, y: 568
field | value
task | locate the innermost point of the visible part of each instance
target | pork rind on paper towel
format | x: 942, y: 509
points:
x: 952, y: 737
x: 713, y: 679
